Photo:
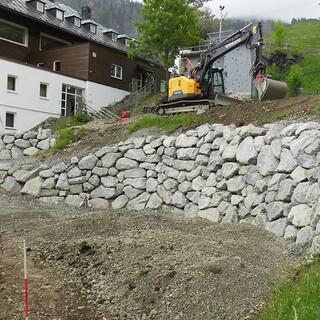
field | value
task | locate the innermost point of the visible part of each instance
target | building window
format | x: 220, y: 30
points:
x: 57, y: 66
x: 48, y: 42
x: 77, y: 22
x: 43, y: 90
x: 12, y: 83
x: 93, y: 28
x: 10, y: 120
x: 13, y: 33
x: 40, y: 6
x: 114, y: 37
x: 40, y: 65
x: 116, y: 71
x: 59, y: 15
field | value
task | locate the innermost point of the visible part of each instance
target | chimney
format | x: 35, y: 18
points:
x: 86, y: 12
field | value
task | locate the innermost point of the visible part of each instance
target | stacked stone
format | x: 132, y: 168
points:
x: 265, y: 176
x: 14, y: 146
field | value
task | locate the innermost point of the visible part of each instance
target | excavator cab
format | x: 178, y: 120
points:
x: 215, y: 83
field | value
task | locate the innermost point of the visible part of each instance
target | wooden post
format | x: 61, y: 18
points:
x: 26, y: 282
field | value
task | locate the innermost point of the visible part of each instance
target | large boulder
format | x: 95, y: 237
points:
x: 33, y: 187
x: 184, y: 141
x: 246, y: 152
x: 88, y: 162
x: 126, y: 164
x: 11, y: 185
x: 267, y: 163
x: 300, y: 215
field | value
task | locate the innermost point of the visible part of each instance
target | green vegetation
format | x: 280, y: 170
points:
x: 167, y: 26
x: 279, y: 38
x: 168, y: 124
x: 297, y: 298
x: 67, y: 136
x: 272, y: 116
x: 294, y: 80
x: 77, y: 120
x: 317, y: 110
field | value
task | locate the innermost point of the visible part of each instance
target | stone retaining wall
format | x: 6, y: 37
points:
x: 16, y: 145
x: 265, y: 176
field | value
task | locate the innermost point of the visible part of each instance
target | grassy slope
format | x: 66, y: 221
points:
x: 304, y: 38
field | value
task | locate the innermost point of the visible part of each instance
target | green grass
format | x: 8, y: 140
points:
x: 317, y: 110
x: 67, y: 136
x: 272, y: 116
x: 297, y: 299
x: 167, y: 124
x: 77, y: 120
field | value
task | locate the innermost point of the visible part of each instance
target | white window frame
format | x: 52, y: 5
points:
x: 54, y: 68
x: 58, y: 11
x: 40, y: 6
x: 26, y: 38
x: 77, y: 22
x: 93, y: 28
x: 115, y: 75
x: 14, y: 121
x: 114, y: 36
x: 40, y: 64
x: 15, y: 83
x: 47, y: 91
x: 50, y: 37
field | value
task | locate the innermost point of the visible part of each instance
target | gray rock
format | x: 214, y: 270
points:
x: 49, y: 183
x: 109, y: 182
x: 246, y: 152
x: 23, y: 144
x: 202, y: 160
x: 110, y: 159
x: 102, y: 192
x: 300, y: 193
x: 44, y: 134
x: 31, y: 152
x: 49, y: 193
x: 267, y: 163
x: 77, y: 180
x: 194, y: 173
x: 136, y: 154
x: 287, y: 162
x: 74, y: 173
x: 204, y: 202
x: 131, y: 192
x: 100, y: 153
x: 230, y: 169
x: 151, y: 185
x: 52, y: 200
x: 236, y: 200
x: 300, y: 215
x: 24, y: 175
x: 139, y: 203
x: 138, y: 183
x: 88, y: 162
x: 33, y: 187
x: 276, y: 147
x: 231, y: 216
x: 191, y: 210
x: 306, y: 161
x: 169, y: 142
x: 155, y: 202
x: 76, y: 189
x: 171, y: 184
x: 11, y: 185
x: 285, y: 190
x: 63, y: 183
x: 198, y: 184
x: 275, y: 210
x: 120, y: 202
x: 184, y: 141
x: 277, y: 227
x: 73, y: 201
x: 305, y: 236
x: 46, y: 173
x: 291, y: 233
x: 30, y: 135
x: 8, y: 139
x: 185, y: 187
x: 16, y: 153
x: 99, y: 204
x: 203, y: 130
x: 94, y: 180
x: 44, y: 144
x: 5, y: 155
x: 101, y: 172
x: 126, y: 164
x: 179, y: 199
x: 164, y: 194
x: 59, y: 168
x: 184, y: 165
x: 33, y: 142
x: 211, y: 214
x: 187, y: 153
x: 134, y: 173
x: 315, y: 248
x: 236, y: 184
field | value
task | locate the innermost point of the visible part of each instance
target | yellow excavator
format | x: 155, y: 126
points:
x: 205, y: 87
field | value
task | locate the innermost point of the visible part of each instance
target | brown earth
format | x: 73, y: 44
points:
x: 112, y: 265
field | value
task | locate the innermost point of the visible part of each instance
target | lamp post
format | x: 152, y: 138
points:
x: 221, y: 18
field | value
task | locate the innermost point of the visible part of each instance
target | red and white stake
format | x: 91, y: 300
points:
x: 26, y: 282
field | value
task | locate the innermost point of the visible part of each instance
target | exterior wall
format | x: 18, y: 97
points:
x: 101, y: 59
x: 29, y: 108
x: 98, y: 96
x: 237, y: 65
x: 74, y: 59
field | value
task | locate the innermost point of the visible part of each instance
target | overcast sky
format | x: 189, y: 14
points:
x: 275, y: 9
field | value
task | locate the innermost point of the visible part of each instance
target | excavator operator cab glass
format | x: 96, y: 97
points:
x: 217, y: 81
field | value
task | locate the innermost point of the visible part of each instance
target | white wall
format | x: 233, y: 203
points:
x: 29, y: 108
x: 98, y: 96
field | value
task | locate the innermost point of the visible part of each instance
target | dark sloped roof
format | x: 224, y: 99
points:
x: 25, y: 9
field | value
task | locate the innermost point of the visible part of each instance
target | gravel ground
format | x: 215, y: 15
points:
x: 112, y: 265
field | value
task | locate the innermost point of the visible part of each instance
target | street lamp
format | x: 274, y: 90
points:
x: 221, y: 18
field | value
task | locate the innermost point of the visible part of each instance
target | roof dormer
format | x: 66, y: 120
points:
x: 124, y: 39
x: 56, y: 12
x: 112, y: 34
x: 74, y: 19
x: 39, y: 5
x: 90, y: 25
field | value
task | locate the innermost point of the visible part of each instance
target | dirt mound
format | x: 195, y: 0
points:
x: 117, y: 266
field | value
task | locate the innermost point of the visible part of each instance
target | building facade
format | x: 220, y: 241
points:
x: 52, y: 58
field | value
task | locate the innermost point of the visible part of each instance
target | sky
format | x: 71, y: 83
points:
x: 276, y: 9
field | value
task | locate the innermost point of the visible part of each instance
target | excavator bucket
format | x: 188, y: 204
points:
x: 269, y: 89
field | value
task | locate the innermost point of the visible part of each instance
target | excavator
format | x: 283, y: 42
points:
x: 205, y: 86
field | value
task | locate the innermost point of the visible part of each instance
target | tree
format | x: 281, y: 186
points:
x: 279, y: 37
x: 167, y: 26
x: 207, y: 23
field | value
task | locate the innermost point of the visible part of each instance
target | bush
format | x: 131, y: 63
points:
x: 67, y: 136
x: 294, y: 80
x: 77, y: 120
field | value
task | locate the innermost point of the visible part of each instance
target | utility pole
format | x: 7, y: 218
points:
x: 221, y: 18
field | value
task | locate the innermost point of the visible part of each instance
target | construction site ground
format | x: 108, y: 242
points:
x: 117, y: 265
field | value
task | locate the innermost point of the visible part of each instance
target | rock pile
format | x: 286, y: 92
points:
x: 16, y: 145
x: 266, y: 176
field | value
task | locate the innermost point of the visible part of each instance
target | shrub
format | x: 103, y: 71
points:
x: 294, y: 80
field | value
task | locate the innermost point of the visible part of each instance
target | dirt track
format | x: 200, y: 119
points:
x: 116, y: 266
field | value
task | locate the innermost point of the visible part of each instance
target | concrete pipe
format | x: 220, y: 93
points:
x: 269, y: 89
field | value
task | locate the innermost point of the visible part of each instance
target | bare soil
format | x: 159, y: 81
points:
x: 115, y: 265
